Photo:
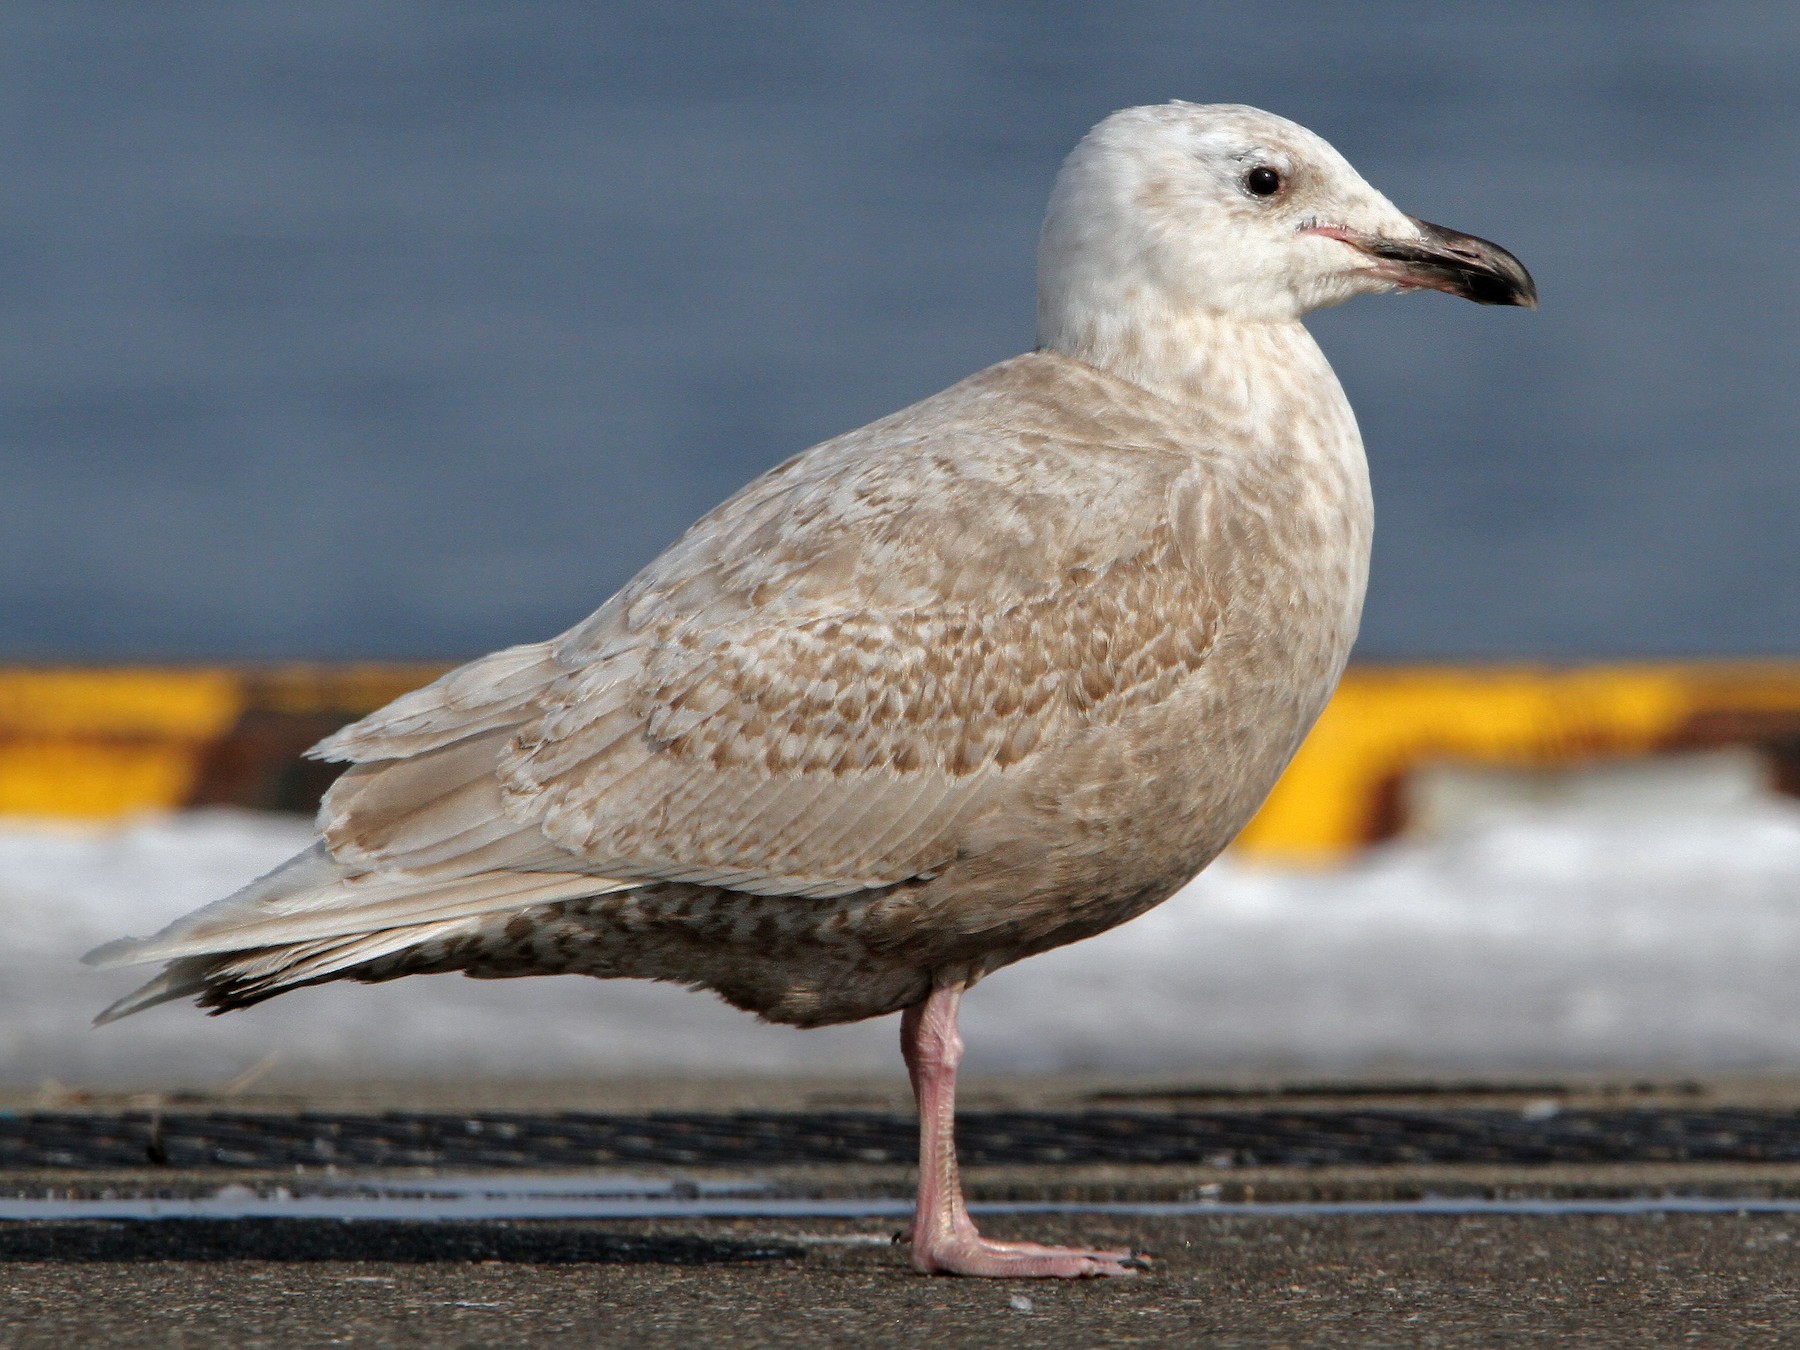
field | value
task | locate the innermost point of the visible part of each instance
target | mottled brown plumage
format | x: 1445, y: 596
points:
x: 987, y: 676
x: 931, y: 697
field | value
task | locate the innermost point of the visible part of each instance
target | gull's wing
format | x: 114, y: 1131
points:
x: 814, y: 689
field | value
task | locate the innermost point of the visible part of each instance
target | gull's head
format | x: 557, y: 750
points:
x: 1185, y: 209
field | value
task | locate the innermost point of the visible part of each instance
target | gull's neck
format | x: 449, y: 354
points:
x: 1242, y: 372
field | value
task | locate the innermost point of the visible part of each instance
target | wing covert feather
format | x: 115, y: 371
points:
x: 817, y: 686
x: 811, y: 691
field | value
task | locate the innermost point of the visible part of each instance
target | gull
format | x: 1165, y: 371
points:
x: 987, y: 676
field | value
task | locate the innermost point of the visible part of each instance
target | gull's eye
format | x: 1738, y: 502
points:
x: 1262, y: 181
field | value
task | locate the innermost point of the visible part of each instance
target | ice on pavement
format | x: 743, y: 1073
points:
x: 1560, y: 936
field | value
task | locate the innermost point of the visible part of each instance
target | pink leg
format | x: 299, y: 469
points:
x: 943, y: 1236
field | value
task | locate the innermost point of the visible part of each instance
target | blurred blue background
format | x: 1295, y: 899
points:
x: 369, y: 328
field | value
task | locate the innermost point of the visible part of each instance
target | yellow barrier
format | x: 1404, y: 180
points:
x: 100, y: 743
x: 1385, y: 721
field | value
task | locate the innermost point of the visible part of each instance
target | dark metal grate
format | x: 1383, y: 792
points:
x: 1309, y: 1138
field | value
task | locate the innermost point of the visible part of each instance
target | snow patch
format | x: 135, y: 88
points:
x: 1542, y: 938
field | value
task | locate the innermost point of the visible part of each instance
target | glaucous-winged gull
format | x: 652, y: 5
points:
x: 984, y: 677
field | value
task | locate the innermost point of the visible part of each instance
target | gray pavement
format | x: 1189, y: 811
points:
x: 1403, y: 1281
x: 1256, y: 1279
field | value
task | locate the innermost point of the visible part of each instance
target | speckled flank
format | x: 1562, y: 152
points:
x: 984, y: 677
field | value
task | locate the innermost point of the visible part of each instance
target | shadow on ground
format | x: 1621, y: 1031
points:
x: 398, y: 1241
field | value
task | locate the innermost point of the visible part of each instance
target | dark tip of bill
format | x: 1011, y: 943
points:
x: 1498, y: 288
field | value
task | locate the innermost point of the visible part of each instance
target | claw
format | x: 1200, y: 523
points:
x: 969, y: 1253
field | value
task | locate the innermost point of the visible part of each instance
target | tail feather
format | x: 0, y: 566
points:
x: 179, y: 979
x: 417, y: 846
x: 327, y: 900
x: 238, y: 979
x: 313, y: 919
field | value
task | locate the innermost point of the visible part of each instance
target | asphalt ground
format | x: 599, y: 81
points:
x: 1714, y: 1280
x: 1482, y: 1277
